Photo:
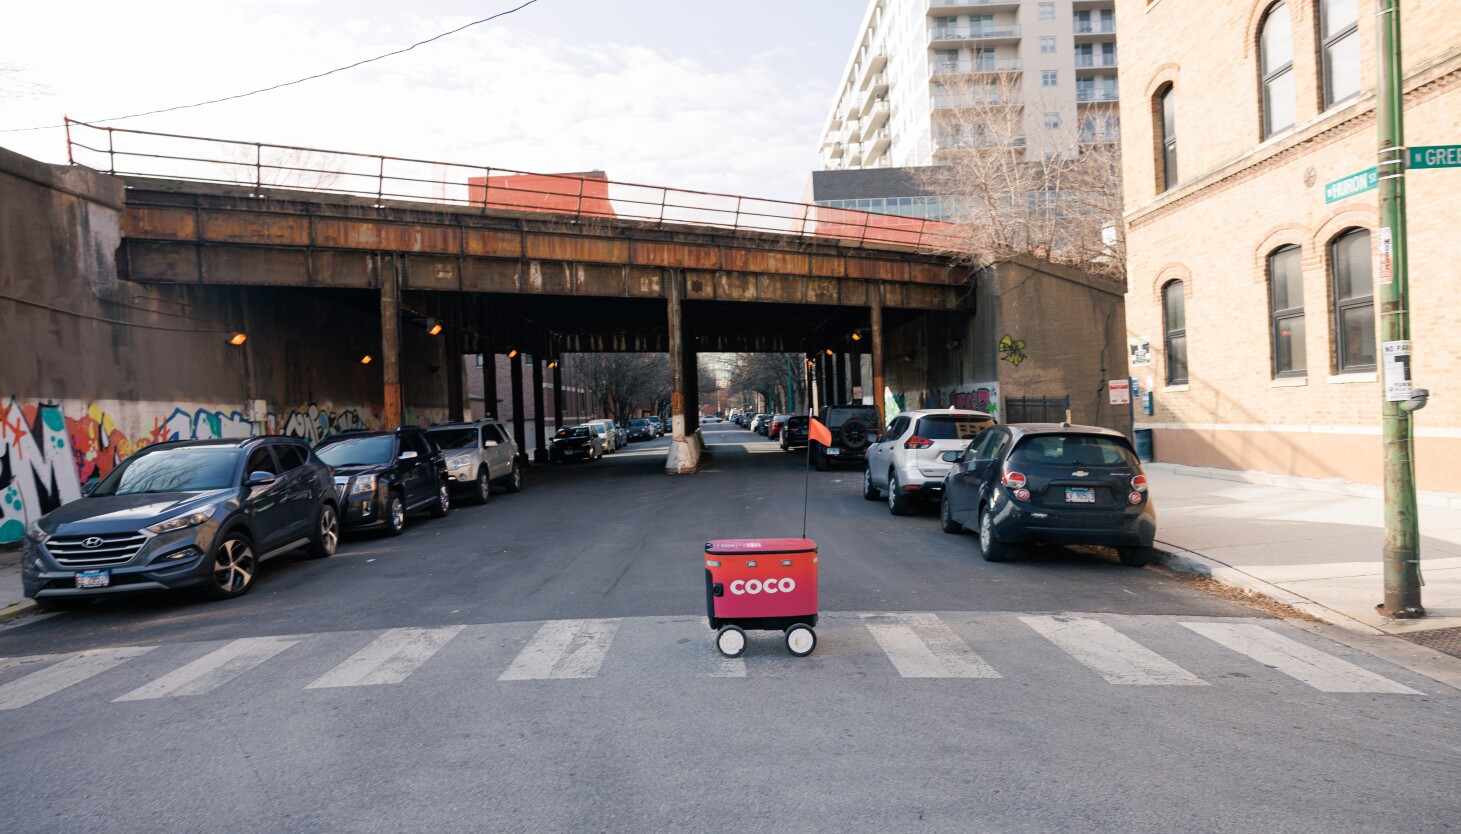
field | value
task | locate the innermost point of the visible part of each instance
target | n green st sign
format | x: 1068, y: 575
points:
x: 1351, y: 185
x: 1435, y: 156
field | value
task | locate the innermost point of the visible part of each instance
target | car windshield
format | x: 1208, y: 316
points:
x: 454, y: 438
x: 838, y: 416
x: 358, y: 451
x: 796, y: 422
x: 639, y: 423
x: 576, y: 431
x: 184, y: 469
x: 951, y: 426
x: 1073, y: 450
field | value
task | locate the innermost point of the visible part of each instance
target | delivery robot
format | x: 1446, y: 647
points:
x: 763, y: 584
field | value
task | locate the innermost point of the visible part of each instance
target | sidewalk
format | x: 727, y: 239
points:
x: 1314, y: 545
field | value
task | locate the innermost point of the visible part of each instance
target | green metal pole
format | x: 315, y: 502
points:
x: 1402, y: 539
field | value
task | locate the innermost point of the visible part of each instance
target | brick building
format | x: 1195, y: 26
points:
x: 1257, y: 297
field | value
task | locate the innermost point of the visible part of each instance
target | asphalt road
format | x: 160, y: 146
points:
x: 542, y: 664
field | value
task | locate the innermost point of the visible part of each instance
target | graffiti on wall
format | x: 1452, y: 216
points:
x: 49, y: 449
x: 1012, y: 350
x: 983, y: 396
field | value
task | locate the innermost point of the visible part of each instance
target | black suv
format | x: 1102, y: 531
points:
x: 381, y: 476
x: 854, y: 428
x: 192, y: 514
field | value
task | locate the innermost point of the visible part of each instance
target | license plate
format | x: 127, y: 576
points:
x: 1080, y: 495
x: 93, y: 579
x: 834, y: 451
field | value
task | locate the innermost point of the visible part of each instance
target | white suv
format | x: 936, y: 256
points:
x: 478, y: 455
x: 905, y: 461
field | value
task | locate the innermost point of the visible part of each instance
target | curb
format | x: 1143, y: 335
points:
x: 22, y: 607
x: 1188, y: 561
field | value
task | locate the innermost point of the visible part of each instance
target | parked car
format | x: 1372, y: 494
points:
x: 382, y: 476
x: 659, y: 425
x: 906, y: 461
x: 576, y: 443
x: 794, y: 432
x: 759, y: 423
x: 640, y: 429
x: 199, y: 514
x: 609, y: 434
x: 773, y: 428
x: 853, y: 427
x: 479, y: 455
x: 1054, y: 483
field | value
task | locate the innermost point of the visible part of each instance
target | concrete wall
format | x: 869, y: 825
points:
x: 93, y: 367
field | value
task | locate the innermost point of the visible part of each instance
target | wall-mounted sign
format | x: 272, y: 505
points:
x: 1120, y: 391
x: 1141, y: 351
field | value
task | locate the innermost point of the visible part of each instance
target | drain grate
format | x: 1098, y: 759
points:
x: 1446, y: 640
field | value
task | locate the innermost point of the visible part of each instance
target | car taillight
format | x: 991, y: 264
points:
x: 1138, y: 484
x: 1013, y: 480
x: 916, y: 442
x: 1135, y: 497
x: 1022, y: 494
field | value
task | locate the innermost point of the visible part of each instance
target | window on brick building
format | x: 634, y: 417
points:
x: 1276, y: 59
x: 1166, y: 106
x: 1174, y: 325
x: 1286, y: 297
x: 1354, y: 301
x: 1339, y: 37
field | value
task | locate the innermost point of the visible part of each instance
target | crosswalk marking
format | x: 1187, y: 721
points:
x: 391, y: 658
x: 53, y: 679
x: 1324, y: 672
x: 1109, y: 653
x: 214, y: 669
x: 923, y: 646
x: 563, y: 649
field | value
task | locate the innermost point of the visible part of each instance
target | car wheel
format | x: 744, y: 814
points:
x: 819, y: 460
x: 395, y: 514
x: 801, y: 640
x: 991, y: 548
x: 1136, y: 557
x: 326, y: 535
x: 898, y: 501
x: 514, y: 480
x: 63, y: 603
x: 946, y: 520
x: 442, y: 506
x: 234, y: 566
x: 483, y: 493
x: 731, y: 641
x: 869, y: 491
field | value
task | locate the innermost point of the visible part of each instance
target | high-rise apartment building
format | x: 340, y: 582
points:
x: 918, y: 65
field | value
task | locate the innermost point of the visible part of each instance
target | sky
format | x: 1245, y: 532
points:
x: 715, y: 96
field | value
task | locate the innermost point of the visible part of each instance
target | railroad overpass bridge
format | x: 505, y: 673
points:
x: 520, y: 263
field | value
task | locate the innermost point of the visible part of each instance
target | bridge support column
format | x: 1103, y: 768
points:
x: 876, y: 293
x: 387, y: 268
x: 841, y: 361
x: 692, y: 387
x: 519, y: 429
x: 558, y: 393
x: 452, y: 346
x: 684, y: 455
x: 540, y: 419
x: 854, y: 380
x: 489, y: 378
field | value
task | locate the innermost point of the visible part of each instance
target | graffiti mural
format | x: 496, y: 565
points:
x: 982, y: 396
x: 49, y: 449
x: 1012, y: 350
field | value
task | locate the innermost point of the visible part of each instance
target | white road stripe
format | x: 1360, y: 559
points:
x: 923, y: 646
x: 1324, y: 672
x: 214, y: 669
x: 53, y: 679
x: 563, y: 649
x: 1111, y: 654
x: 390, y: 658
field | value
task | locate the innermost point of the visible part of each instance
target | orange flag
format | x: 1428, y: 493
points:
x: 818, y: 432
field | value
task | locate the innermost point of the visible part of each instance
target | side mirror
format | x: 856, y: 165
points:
x: 260, y: 478
x: 90, y: 486
x: 409, y: 455
x: 950, y: 457
x: 489, y: 443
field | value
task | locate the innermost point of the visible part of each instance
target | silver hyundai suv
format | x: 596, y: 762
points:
x: 905, y: 462
x: 479, y: 454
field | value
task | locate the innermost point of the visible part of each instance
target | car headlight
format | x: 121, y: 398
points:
x: 458, y: 461
x: 180, y: 522
x: 34, y: 531
x: 363, y: 483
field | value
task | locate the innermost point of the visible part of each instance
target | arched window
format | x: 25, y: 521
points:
x: 1339, y: 39
x: 1174, y: 325
x: 1286, y: 294
x: 1276, y: 59
x: 1166, y: 107
x: 1354, y: 301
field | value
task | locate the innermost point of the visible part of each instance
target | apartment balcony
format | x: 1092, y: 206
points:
x: 1088, y: 61
x: 961, y: 102
x: 956, y: 6
x: 1095, y: 27
x: 1088, y: 95
x: 878, y: 85
x: 877, y: 141
x: 871, y: 67
x: 977, y: 67
x: 968, y: 143
x: 838, y: 149
x: 876, y: 115
x: 1090, y: 137
x: 854, y: 156
x: 953, y: 35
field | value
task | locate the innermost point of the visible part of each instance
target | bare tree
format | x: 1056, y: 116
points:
x: 779, y: 379
x: 1015, y: 185
x: 621, y: 385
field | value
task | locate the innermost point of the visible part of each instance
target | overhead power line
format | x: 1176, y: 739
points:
x: 286, y: 83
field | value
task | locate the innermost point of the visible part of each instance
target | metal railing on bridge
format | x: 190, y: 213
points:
x: 264, y: 167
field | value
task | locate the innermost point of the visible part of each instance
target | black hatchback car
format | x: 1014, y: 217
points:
x: 194, y: 514
x: 1029, y: 483
x: 380, y: 476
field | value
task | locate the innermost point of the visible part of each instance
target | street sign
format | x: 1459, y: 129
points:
x: 1346, y: 187
x: 1396, y: 356
x: 1120, y: 391
x: 1436, y: 156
